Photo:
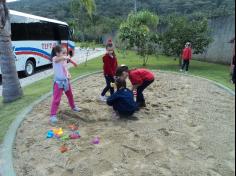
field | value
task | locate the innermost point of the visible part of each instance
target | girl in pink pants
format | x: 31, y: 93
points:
x: 61, y: 83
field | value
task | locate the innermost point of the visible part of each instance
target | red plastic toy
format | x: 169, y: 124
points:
x: 64, y: 149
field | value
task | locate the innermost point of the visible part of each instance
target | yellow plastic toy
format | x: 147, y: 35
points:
x: 58, y: 132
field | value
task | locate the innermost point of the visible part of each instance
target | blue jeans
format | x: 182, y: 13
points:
x: 109, y: 80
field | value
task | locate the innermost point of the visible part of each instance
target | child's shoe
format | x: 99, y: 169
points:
x: 115, y: 115
x: 76, y: 109
x: 142, y: 105
x: 103, y: 98
x: 53, y: 120
x: 181, y: 70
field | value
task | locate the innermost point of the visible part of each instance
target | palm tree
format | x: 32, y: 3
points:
x: 11, y: 86
x: 89, y: 5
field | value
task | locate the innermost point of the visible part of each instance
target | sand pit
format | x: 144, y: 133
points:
x: 187, y: 129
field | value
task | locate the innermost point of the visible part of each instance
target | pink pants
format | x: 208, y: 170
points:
x: 56, y: 99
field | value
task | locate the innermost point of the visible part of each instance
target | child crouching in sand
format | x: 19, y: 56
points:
x: 140, y: 79
x: 61, y: 82
x: 122, y: 100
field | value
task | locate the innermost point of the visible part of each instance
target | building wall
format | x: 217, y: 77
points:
x: 220, y: 51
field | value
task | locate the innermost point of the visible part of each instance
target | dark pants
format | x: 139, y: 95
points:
x: 140, y: 97
x: 108, y: 87
x: 233, y: 76
x: 185, y: 64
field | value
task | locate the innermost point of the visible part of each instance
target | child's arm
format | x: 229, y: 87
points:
x: 190, y: 54
x: 73, y: 62
x: 111, y: 100
x: 59, y: 59
x: 135, y: 87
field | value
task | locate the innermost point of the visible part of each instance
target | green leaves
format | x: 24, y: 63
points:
x: 139, y: 31
x: 181, y: 30
x: 89, y: 5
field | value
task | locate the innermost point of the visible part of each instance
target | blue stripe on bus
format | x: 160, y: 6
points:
x: 32, y: 49
x: 71, y: 46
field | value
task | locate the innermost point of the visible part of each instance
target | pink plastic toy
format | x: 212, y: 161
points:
x: 74, y: 136
x: 95, y: 141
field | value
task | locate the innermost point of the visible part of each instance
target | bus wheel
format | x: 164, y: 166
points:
x: 29, y: 68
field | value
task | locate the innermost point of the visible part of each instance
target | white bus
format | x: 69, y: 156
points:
x: 33, y: 38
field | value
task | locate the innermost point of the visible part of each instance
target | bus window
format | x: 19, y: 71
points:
x: 19, y: 31
x: 40, y: 31
x: 64, y: 32
x: 47, y: 31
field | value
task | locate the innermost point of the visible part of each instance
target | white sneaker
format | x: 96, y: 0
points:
x: 76, y: 109
x: 181, y: 70
x: 103, y: 98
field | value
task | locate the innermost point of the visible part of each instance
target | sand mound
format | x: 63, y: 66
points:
x: 187, y: 129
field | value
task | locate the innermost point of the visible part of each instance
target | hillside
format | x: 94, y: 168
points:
x: 109, y: 14
x: 60, y: 8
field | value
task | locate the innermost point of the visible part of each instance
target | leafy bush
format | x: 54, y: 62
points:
x: 139, y: 32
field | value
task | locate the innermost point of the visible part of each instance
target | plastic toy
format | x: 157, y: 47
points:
x: 58, y: 132
x: 73, y: 127
x: 50, y: 134
x: 74, y: 136
x: 65, y: 137
x: 96, y: 141
x: 77, y: 132
x: 113, y: 85
x: 64, y: 149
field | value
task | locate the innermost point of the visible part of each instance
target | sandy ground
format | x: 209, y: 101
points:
x: 187, y: 129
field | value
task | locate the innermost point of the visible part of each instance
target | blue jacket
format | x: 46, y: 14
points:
x: 123, y: 102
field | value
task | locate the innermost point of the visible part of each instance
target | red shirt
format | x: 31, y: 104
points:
x: 138, y: 76
x: 110, y: 65
x: 187, y: 54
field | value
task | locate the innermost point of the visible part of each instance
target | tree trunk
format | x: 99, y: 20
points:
x: 11, y: 86
x: 145, y: 60
x: 86, y: 60
x: 180, y: 61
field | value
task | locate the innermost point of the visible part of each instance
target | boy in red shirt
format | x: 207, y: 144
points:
x: 186, y: 56
x: 109, y: 68
x: 140, y: 79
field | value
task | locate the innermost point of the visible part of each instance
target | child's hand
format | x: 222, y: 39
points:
x: 67, y: 58
x: 69, y: 76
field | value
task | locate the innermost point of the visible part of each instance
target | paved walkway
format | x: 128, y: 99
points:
x: 80, y: 57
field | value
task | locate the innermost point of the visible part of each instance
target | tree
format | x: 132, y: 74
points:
x: 80, y: 18
x: 181, y: 30
x: 139, y: 31
x: 11, y: 86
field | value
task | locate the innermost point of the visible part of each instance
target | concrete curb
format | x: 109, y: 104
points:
x: 6, y: 155
x: 8, y: 143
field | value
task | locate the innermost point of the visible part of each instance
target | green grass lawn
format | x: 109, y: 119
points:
x: 8, y: 112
